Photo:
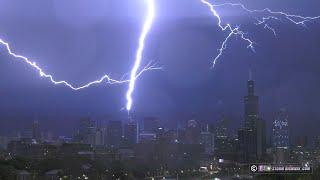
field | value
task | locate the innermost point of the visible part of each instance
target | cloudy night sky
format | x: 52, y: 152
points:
x: 79, y: 41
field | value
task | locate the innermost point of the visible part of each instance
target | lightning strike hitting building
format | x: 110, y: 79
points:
x: 145, y: 31
x: 263, y: 18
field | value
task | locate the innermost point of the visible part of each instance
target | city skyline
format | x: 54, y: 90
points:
x: 203, y: 89
x: 26, y: 128
x: 212, y: 147
x: 273, y: 128
x: 286, y: 70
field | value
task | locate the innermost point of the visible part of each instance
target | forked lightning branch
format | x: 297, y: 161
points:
x: 264, y: 18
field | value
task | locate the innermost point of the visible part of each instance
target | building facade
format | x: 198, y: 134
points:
x: 280, y: 130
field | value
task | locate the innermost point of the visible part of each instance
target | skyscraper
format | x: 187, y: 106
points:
x: 222, y: 129
x: 99, y: 140
x: 280, y: 137
x: 261, y: 138
x: 222, y: 141
x: 207, y: 140
x: 251, y: 106
x: 114, y: 134
x: 192, y: 132
x: 87, y: 131
x: 247, y: 145
x: 36, y: 134
x: 252, y: 137
x: 280, y: 130
x: 130, y: 133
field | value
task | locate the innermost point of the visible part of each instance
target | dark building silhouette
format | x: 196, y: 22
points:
x: 251, y: 106
x: 223, y: 143
x: 130, y: 133
x: 36, y: 134
x: 222, y: 129
x: 99, y: 137
x: 261, y: 138
x: 114, y: 134
x: 192, y: 133
x: 87, y: 131
x: 207, y: 140
x: 252, y: 137
x: 247, y: 145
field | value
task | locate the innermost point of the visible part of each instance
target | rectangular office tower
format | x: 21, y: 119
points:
x: 130, y: 133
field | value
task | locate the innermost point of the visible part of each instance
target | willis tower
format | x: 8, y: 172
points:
x: 251, y: 106
x: 252, y: 137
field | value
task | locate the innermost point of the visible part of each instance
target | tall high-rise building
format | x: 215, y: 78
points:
x: 261, y: 138
x: 192, y: 132
x: 252, y: 137
x: 222, y: 129
x: 207, y: 140
x: 36, y: 134
x: 222, y: 141
x: 114, y: 134
x: 130, y: 133
x: 251, y: 106
x: 280, y: 137
x: 87, y: 131
x: 280, y: 130
x: 247, y: 145
x: 99, y: 138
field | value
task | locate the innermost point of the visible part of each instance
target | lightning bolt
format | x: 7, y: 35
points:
x: 227, y: 27
x: 235, y: 31
x: 295, y: 19
x: 104, y: 78
x: 135, y: 73
x: 145, y: 31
